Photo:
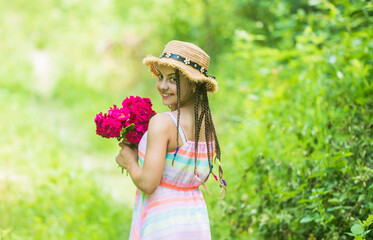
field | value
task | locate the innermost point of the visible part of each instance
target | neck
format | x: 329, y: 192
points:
x: 187, y: 104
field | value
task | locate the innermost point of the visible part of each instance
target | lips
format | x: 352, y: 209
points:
x: 166, y: 95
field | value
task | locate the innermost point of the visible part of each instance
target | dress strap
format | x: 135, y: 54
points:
x: 181, y: 132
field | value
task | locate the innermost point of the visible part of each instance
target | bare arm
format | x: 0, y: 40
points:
x: 148, y: 177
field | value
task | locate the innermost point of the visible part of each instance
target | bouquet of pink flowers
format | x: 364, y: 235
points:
x: 128, y: 122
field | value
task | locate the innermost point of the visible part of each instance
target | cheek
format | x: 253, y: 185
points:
x: 173, y: 88
x: 186, y: 91
x: 158, y: 85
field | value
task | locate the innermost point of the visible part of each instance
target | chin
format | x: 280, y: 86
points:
x: 165, y: 103
x: 169, y: 102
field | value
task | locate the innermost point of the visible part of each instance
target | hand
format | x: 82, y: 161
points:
x: 127, y: 155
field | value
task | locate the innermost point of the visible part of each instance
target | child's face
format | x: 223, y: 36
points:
x: 166, y: 86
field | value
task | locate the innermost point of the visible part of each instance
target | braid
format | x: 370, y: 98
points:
x: 201, y: 98
x: 205, y: 109
x: 196, y: 130
x: 218, y: 155
x: 209, y: 125
x: 198, y: 123
x: 177, y: 76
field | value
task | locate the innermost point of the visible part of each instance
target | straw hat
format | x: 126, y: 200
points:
x: 191, y: 60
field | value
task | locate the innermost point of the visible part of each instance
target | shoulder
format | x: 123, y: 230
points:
x: 160, y: 123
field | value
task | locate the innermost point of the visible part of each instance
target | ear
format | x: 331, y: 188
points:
x: 193, y: 86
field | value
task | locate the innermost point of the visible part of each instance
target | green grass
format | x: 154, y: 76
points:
x: 55, y: 183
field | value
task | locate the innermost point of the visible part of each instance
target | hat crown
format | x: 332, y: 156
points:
x: 189, y: 51
x: 191, y: 60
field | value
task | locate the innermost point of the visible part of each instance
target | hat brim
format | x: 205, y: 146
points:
x: 191, y: 73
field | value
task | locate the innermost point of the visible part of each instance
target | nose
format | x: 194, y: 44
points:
x: 163, y: 84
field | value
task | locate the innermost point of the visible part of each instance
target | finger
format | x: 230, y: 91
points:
x: 125, y: 142
x: 122, y: 144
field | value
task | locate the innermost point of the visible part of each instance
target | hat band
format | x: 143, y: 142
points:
x: 187, y: 62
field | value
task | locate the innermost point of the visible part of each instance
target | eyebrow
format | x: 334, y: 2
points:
x: 168, y: 75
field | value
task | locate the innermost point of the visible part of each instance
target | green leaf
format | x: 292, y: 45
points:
x: 333, y: 208
x: 307, y: 219
x: 333, y: 200
x: 287, y: 195
x: 369, y: 221
x: 129, y: 127
x: 126, y: 129
x: 347, y: 154
x: 303, y: 201
x: 357, y: 229
x: 350, y: 234
x: 361, y: 197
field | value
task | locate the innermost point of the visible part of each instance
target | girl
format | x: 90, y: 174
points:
x: 177, y: 150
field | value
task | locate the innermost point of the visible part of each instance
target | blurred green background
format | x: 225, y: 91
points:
x: 293, y: 113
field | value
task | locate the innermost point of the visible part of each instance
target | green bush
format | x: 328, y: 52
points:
x: 303, y: 113
x: 360, y: 230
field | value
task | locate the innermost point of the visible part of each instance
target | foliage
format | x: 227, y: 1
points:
x: 294, y: 113
x: 49, y: 190
x: 4, y: 233
x: 360, y: 230
x: 305, y: 112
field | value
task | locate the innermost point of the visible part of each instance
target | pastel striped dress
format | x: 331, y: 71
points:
x: 176, y: 209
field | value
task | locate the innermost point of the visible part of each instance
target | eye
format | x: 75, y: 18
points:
x: 160, y: 77
x: 173, y: 79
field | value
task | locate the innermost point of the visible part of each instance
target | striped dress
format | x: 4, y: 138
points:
x: 176, y: 209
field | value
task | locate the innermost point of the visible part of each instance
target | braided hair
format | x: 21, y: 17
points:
x: 201, y: 101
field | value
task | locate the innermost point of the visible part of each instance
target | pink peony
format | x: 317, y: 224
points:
x: 143, y: 111
x: 110, y: 128
x: 134, y: 137
x: 130, y: 101
x: 114, y: 123
x: 99, y: 119
x: 141, y: 127
x: 119, y: 113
